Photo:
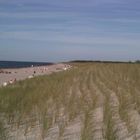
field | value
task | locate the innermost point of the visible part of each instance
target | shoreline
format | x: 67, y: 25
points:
x: 11, y: 75
x: 22, y: 64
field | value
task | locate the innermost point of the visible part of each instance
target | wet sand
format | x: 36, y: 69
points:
x: 11, y: 75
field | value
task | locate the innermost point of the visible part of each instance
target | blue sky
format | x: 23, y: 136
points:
x: 61, y: 30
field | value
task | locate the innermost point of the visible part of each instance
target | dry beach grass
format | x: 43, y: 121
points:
x: 91, y: 101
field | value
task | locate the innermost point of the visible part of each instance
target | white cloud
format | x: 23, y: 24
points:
x: 36, y: 14
x: 69, y: 39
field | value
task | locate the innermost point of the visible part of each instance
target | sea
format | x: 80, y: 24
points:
x: 18, y: 64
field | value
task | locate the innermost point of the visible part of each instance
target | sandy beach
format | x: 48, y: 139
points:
x: 9, y: 76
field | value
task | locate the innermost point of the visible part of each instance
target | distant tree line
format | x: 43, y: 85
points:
x: 137, y: 61
x: 99, y: 61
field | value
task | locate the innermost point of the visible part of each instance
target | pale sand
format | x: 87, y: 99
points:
x: 24, y: 73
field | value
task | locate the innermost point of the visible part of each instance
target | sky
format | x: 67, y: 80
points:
x: 63, y: 30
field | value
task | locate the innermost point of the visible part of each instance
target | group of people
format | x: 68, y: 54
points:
x: 5, y: 72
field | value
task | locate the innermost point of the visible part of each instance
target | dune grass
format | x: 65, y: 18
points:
x: 61, y: 97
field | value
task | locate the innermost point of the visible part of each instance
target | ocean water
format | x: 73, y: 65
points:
x: 17, y: 64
